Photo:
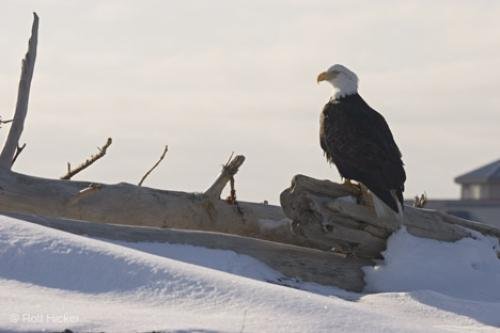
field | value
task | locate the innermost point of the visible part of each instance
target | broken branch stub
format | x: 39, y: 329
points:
x: 19, y: 150
x: 228, y: 171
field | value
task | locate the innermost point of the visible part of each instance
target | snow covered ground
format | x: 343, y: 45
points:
x: 52, y: 280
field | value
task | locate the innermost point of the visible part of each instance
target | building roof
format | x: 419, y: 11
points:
x: 490, y: 173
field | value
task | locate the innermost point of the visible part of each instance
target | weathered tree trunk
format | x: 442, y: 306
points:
x: 133, y: 205
x: 329, y: 214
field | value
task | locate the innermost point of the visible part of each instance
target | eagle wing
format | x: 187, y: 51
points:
x: 360, y: 143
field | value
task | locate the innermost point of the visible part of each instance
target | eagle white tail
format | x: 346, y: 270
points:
x: 384, y: 211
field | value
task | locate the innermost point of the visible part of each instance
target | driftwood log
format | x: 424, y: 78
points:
x: 294, y: 262
x: 330, y: 214
x: 321, y: 233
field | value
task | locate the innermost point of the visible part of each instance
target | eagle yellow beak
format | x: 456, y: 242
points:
x: 323, y: 77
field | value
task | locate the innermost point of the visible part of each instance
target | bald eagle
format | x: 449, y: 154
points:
x: 357, y: 139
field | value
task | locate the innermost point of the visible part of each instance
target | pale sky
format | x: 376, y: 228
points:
x: 211, y: 77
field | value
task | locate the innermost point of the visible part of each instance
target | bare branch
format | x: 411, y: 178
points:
x: 23, y: 94
x: 5, y: 121
x: 88, y: 162
x: 228, y: 172
x: 154, y: 166
x: 19, y: 150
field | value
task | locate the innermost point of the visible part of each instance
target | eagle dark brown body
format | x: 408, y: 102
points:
x: 358, y: 141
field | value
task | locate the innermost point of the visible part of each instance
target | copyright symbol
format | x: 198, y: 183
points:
x: 14, y: 317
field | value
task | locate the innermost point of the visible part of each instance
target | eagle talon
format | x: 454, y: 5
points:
x: 365, y: 198
x: 352, y: 186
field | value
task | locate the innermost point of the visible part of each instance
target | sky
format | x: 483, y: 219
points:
x: 213, y: 77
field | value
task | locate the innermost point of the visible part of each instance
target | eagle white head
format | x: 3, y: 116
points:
x: 343, y: 80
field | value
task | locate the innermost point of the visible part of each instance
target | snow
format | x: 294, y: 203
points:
x: 54, y: 280
x: 467, y: 269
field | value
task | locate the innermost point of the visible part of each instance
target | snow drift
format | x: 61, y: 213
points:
x: 54, y: 280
